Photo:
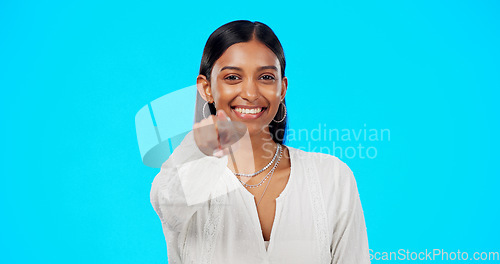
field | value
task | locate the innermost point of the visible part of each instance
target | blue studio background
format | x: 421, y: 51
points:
x: 73, y: 74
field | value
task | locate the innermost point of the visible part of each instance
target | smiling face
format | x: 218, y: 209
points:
x: 246, y: 83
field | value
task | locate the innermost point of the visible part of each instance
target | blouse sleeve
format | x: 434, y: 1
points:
x: 350, y: 243
x: 185, y: 184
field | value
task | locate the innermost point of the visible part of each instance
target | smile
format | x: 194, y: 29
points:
x: 246, y: 112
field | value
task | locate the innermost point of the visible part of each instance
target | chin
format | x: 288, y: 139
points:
x: 257, y: 129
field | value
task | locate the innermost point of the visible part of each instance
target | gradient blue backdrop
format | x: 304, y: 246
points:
x: 74, y: 73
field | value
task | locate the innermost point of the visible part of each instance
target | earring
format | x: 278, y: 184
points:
x: 206, y: 103
x: 284, y: 106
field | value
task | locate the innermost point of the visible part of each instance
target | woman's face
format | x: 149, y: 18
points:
x: 246, y: 83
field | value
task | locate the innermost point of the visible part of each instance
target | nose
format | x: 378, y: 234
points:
x: 249, y: 90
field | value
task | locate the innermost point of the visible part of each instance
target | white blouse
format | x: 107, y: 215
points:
x: 208, y: 216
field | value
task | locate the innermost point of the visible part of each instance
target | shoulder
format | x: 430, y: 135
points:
x: 323, y: 163
x: 333, y: 174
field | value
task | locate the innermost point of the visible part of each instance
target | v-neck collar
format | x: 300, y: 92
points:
x: 250, y: 200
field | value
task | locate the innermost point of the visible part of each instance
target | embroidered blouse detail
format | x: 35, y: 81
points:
x: 319, y: 210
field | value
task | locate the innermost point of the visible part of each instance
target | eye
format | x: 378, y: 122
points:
x: 268, y: 77
x: 232, y: 78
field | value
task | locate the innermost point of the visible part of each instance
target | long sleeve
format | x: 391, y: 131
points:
x: 185, y: 183
x: 350, y: 243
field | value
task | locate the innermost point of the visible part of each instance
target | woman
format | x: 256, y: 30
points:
x: 232, y: 192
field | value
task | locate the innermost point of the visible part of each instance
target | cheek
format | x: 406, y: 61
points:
x: 275, y: 91
x: 272, y: 95
x: 223, y: 94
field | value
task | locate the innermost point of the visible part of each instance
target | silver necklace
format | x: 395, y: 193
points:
x: 267, y: 176
x: 278, y: 149
x: 267, y: 185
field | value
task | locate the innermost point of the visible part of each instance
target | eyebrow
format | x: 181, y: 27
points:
x: 239, y: 69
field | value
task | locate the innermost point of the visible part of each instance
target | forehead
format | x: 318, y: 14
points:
x: 247, y: 55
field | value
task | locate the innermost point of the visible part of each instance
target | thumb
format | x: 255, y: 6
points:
x: 221, y: 115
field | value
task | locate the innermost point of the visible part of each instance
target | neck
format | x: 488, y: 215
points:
x: 252, y: 153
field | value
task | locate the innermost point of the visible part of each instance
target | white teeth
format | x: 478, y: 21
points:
x: 248, y: 111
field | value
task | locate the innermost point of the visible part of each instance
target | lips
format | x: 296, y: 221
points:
x: 248, y: 112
